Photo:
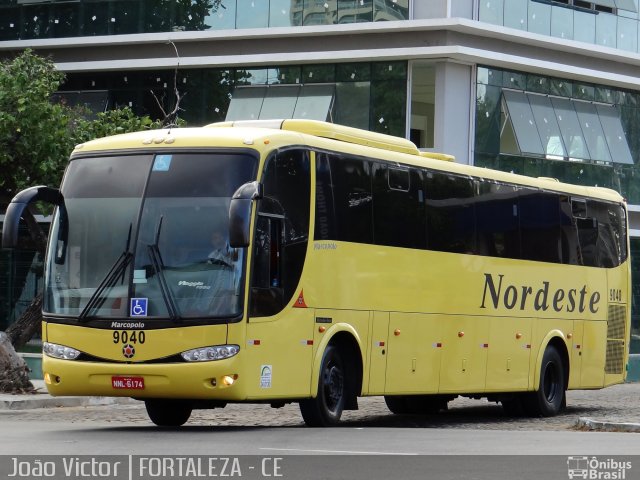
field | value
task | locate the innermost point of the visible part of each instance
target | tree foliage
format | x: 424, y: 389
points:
x: 111, y: 122
x: 37, y: 135
x: 34, y: 133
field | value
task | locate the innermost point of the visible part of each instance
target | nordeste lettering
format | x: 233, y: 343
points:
x: 543, y: 297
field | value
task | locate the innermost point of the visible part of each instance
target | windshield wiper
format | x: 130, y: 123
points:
x: 158, y: 266
x: 116, y: 273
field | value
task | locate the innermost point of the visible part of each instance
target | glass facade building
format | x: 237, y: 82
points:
x: 538, y: 87
x: 553, y: 127
x: 608, y: 23
x: 26, y: 19
x: 365, y: 95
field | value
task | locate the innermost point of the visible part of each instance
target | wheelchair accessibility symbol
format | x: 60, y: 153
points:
x: 139, y: 307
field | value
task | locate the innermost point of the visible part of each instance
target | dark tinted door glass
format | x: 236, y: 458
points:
x: 282, y: 231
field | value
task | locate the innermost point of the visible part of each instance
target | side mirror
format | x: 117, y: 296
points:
x: 18, y: 208
x: 240, y: 213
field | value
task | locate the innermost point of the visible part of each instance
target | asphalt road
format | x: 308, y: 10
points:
x: 474, y: 439
x: 358, y: 449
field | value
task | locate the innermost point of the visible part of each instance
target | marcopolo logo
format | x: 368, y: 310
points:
x: 500, y: 293
x: 593, y: 468
x: 127, y: 324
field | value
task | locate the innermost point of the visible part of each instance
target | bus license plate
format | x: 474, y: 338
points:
x: 129, y: 383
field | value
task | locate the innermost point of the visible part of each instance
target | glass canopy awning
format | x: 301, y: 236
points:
x: 562, y: 128
x: 261, y: 102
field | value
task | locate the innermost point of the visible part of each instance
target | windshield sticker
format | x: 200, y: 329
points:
x: 265, y: 376
x: 162, y: 163
x: 139, y: 307
x: 140, y: 276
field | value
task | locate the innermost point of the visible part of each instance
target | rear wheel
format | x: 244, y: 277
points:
x: 549, y: 399
x: 168, y: 413
x: 326, y: 409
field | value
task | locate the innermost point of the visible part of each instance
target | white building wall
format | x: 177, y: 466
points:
x: 453, y: 110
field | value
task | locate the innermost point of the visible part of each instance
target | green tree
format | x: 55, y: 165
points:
x: 34, y: 133
x: 111, y: 122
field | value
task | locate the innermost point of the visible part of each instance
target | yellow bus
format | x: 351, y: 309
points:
x: 301, y: 261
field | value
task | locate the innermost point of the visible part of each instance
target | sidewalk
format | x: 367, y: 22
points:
x: 41, y: 399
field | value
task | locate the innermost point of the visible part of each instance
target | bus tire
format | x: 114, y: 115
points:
x: 397, y: 404
x: 168, y: 413
x: 549, y: 399
x: 326, y: 408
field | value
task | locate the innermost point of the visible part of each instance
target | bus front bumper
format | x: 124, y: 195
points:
x: 216, y: 380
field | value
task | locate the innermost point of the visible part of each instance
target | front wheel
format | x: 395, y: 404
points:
x: 326, y: 409
x: 549, y: 399
x: 168, y: 413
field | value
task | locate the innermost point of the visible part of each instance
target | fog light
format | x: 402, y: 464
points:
x: 228, y: 380
x: 51, y: 379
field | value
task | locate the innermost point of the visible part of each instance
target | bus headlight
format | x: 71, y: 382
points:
x: 207, y: 354
x: 60, y: 351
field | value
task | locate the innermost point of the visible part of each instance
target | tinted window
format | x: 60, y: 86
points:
x: 539, y: 225
x: 594, y: 232
x: 611, y: 233
x: 498, y: 222
x: 199, y: 175
x: 282, y: 231
x: 360, y: 200
x: 451, y: 222
x: 587, y: 229
x: 106, y: 177
x: 326, y: 223
x: 344, y: 199
x: 398, y: 207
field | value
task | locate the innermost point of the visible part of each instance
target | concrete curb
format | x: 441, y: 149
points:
x: 41, y: 399
x: 584, y: 423
x: 30, y: 402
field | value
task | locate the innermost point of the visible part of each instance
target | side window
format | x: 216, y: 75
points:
x: 618, y: 220
x: 344, y: 199
x: 398, y: 207
x: 586, y: 226
x: 540, y: 225
x: 611, y: 233
x: 569, y: 232
x: 497, y: 214
x: 281, y: 234
x: 588, y: 240
x: 594, y: 232
x: 451, y: 222
x: 326, y: 227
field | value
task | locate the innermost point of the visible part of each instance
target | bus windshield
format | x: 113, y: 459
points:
x: 146, y: 236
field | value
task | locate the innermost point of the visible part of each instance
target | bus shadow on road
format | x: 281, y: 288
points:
x: 481, y: 416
